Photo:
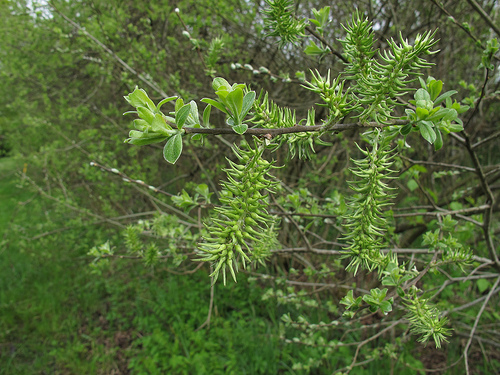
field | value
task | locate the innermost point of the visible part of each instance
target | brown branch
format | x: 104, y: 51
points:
x: 294, y: 129
x: 473, y: 330
x: 466, y: 30
x: 484, y: 15
x: 313, y: 32
x: 444, y: 165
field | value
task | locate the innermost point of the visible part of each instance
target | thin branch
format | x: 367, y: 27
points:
x: 130, y: 179
x: 476, y: 323
x: 484, y: 15
x: 487, y: 139
x: 313, y: 32
x: 466, y: 30
x: 445, y: 165
x: 151, y: 84
x: 294, y: 129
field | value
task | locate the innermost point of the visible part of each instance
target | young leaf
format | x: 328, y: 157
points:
x: 194, y: 119
x: 240, y: 129
x: 234, y: 100
x: 439, y: 140
x: 427, y: 132
x: 206, y: 116
x: 139, y: 98
x: 219, y: 82
x: 181, y: 115
x: 173, y: 148
x: 446, y: 95
x: 158, y: 124
x: 313, y: 50
x: 146, y: 114
x: 248, y: 101
x: 166, y: 100
x: 216, y: 104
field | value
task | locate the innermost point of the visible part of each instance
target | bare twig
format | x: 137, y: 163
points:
x: 151, y: 84
x: 484, y: 15
x: 473, y: 330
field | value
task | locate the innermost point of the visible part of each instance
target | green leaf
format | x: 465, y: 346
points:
x: 241, y: 128
x: 146, y: 114
x: 216, y: 104
x: 483, y: 285
x: 181, y: 115
x: 206, y: 116
x: 219, y: 82
x: 427, y: 131
x: 313, y: 50
x: 439, y: 140
x: 446, y: 95
x: 435, y: 88
x: 166, y: 100
x: 139, y: 98
x: 248, y: 101
x: 179, y: 103
x: 234, y: 101
x: 159, y: 125
x: 173, y: 148
x: 193, y: 117
x: 422, y: 113
x: 140, y: 124
x: 412, y: 185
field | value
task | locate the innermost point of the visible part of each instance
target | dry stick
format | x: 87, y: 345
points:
x: 487, y: 139
x: 476, y: 323
x: 198, y: 49
x: 488, y: 213
x: 151, y: 84
x: 294, y: 222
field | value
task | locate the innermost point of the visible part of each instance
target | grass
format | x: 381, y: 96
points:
x: 58, y: 318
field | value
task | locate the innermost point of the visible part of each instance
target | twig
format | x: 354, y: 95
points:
x: 362, y: 343
x: 130, y: 179
x: 445, y: 165
x: 476, y: 323
x: 294, y: 129
x: 151, y: 84
x: 313, y: 32
x: 210, y: 306
x: 484, y: 15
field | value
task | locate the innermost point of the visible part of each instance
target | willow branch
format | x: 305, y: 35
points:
x: 294, y: 129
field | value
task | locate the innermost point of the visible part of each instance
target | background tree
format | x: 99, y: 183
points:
x: 71, y: 65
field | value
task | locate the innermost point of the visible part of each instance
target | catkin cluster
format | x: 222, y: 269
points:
x: 241, y: 224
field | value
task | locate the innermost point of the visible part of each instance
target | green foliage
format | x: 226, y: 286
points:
x: 71, y: 63
x: 235, y: 101
x: 429, y: 117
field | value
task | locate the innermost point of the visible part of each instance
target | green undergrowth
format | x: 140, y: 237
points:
x: 57, y: 317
